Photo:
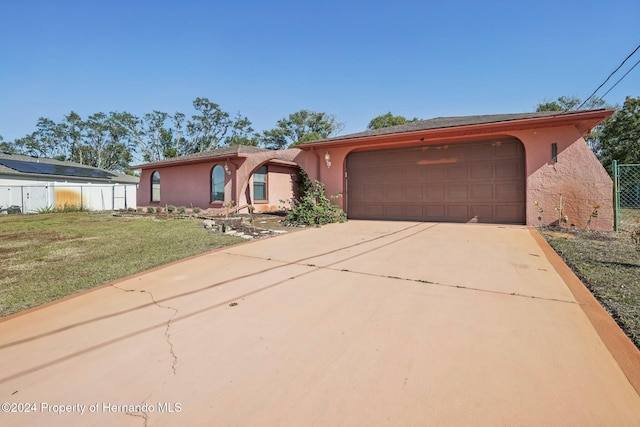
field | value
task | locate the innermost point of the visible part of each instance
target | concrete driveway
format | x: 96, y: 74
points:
x: 357, y: 324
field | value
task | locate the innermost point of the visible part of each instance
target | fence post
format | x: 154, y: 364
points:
x: 616, y: 196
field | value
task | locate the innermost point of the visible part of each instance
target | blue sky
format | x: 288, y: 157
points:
x: 267, y: 59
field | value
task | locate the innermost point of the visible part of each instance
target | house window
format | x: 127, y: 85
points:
x: 217, y: 184
x: 155, y: 186
x: 260, y: 184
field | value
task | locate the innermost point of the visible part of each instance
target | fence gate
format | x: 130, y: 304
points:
x: 626, y: 196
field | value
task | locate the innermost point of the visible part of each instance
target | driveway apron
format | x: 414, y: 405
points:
x: 367, y: 323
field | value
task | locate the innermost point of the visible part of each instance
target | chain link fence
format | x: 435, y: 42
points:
x: 626, y: 187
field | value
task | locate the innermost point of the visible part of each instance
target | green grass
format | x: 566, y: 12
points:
x: 609, y: 265
x: 48, y: 256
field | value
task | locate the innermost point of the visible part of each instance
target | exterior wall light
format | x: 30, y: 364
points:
x: 226, y: 169
x: 327, y: 159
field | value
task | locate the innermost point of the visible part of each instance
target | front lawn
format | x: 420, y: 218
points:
x: 44, y: 257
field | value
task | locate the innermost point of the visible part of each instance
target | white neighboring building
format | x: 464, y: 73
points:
x: 35, y: 183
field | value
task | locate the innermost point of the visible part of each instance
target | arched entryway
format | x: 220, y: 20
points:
x: 480, y: 181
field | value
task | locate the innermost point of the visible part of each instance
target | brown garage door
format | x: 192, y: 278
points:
x: 477, y: 181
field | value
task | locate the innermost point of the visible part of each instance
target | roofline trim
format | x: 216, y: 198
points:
x: 595, y: 116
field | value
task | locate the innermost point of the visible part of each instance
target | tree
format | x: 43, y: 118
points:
x: 72, y: 129
x: 46, y: 141
x: 6, y: 147
x: 105, y: 143
x: 387, y: 120
x: 207, y: 130
x: 568, y: 103
x: 300, y: 127
x: 619, y: 136
x: 242, y: 133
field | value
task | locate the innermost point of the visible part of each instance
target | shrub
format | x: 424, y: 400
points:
x: 158, y: 209
x: 182, y: 210
x: 138, y: 209
x: 170, y: 208
x: 314, y: 208
x: 150, y: 209
x: 197, y: 210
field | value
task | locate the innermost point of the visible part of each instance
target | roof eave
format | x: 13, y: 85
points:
x: 584, y: 122
x: 66, y: 178
x: 166, y: 163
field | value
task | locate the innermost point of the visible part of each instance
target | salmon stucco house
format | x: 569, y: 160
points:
x: 225, y: 179
x: 527, y: 168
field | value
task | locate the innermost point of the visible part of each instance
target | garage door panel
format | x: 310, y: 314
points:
x: 435, y: 212
x: 458, y: 213
x: 356, y: 194
x: 482, y: 170
x: 482, y: 213
x: 481, y: 192
x: 435, y: 173
x: 512, y: 149
x: 457, y: 192
x: 477, y: 181
x: 413, y: 211
x: 504, y: 213
x: 481, y: 151
x: 373, y: 194
x: 414, y: 174
x: 393, y: 211
x: 392, y: 193
x: 509, y: 192
x: 392, y: 175
x: 412, y: 192
x: 435, y: 192
x: 374, y: 211
x: 373, y: 177
x: 457, y: 172
x: 508, y: 170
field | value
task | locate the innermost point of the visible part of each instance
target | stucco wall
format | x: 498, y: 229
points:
x: 190, y: 184
x: 184, y: 185
x: 281, y: 185
x: 577, y: 180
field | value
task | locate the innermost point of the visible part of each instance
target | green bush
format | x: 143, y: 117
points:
x: 197, y: 210
x: 182, y: 210
x: 170, y: 208
x: 158, y: 209
x: 314, y: 208
x: 150, y: 209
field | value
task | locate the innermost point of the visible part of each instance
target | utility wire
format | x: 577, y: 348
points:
x: 610, y: 75
x: 620, y: 79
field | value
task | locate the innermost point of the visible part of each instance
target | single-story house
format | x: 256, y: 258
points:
x: 36, y: 183
x: 527, y: 168
x: 222, y: 180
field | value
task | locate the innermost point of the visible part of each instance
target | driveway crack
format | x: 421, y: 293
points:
x: 142, y: 415
x: 167, y: 333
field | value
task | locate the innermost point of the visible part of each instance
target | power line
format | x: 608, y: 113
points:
x: 610, y: 75
x: 620, y: 79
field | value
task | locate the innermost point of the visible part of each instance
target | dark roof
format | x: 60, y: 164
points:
x: 231, y: 151
x: 40, y: 167
x: 448, y: 122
